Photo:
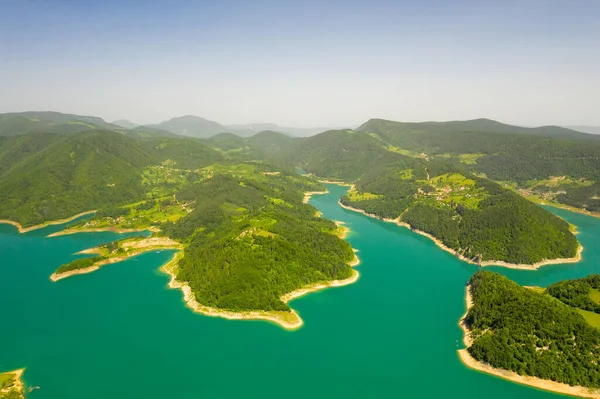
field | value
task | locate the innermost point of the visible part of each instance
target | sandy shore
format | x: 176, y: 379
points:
x: 133, y: 249
x: 563, y: 206
x: 535, y: 382
x: 18, y: 383
x: 288, y: 320
x: 99, y: 230
x: 46, y: 224
x: 339, y: 183
x: 343, y: 229
x: 309, y: 194
x: 441, y: 245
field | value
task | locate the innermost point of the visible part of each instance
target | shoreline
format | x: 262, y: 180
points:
x: 100, y: 230
x: 499, y: 263
x: 151, y: 246
x: 344, y: 231
x: 337, y: 183
x: 309, y: 194
x: 22, y: 229
x: 558, y: 205
x: 287, y: 320
x: 18, y: 383
x: 536, y: 382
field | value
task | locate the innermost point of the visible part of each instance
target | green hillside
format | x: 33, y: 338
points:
x: 68, y: 174
x: 550, y: 163
x: 530, y: 333
x: 12, y: 124
x: 478, y: 218
x: 250, y: 239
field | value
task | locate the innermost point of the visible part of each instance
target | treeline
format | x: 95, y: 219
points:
x: 587, y: 198
x: 530, y: 333
x: 79, y: 264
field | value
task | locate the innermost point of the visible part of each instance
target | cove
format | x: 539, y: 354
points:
x: 120, y: 332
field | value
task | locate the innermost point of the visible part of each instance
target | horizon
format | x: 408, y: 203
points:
x: 352, y: 127
x: 309, y: 64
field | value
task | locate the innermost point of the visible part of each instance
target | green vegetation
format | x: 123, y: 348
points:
x: 473, y: 216
x: 506, y: 153
x: 69, y: 175
x: 580, y: 293
x: 520, y: 330
x: 7, y: 387
x: 79, y: 264
x: 244, y: 251
x: 12, y: 394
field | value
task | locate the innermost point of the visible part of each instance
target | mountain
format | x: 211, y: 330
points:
x: 125, y: 123
x: 191, y: 126
x: 147, y: 132
x: 12, y: 124
x: 550, y: 163
x: 243, y: 130
x: 481, y: 125
x: 271, y: 142
x: 585, y: 129
x: 68, y: 174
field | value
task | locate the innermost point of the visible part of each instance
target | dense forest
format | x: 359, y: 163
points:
x: 236, y: 203
x: 79, y: 264
x: 68, y: 174
x: 476, y: 217
x: 527, y: 156
x: 530, y: 333
x: 250, y: 241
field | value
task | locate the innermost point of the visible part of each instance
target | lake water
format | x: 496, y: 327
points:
x: 121, y: 333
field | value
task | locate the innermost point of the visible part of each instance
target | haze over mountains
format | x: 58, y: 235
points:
x: 585, y: 129
x: 196, y: 127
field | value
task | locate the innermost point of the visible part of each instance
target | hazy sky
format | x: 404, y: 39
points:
x: 304, y: 63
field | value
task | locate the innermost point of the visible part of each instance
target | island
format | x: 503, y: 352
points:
x: 527, y: 336
x: 113, y: 252
x: 11, y: 386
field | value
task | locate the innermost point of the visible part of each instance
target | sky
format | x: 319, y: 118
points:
x: 304, y: 62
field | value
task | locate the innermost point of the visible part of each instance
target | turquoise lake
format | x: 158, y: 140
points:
x: 120, y: 333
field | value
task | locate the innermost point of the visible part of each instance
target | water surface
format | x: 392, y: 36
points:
x: 120, y: 333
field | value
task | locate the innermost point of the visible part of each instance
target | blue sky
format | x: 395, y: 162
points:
x: 304, y: 63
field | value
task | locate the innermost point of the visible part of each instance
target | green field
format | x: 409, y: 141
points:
x: 595, y: 295
x: 592, y: 318
x: 5, y: 380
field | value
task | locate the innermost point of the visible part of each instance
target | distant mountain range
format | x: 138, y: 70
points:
x: 125, y: 123
x: 194, y: 126
x: 585, y: 129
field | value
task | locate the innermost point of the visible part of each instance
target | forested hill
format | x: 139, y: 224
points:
x: 47, y: 177
x: 550, y: 163
x: 531, y: 333
x: 338, y: 154
x: 12, y: 124
x: 478, y: 218
x: 250, y: 239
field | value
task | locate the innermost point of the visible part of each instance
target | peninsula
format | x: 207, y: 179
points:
x: 528, y: 337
